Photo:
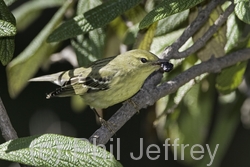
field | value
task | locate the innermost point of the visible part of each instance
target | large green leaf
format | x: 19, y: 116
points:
x: 30, y: 10
x: 85, y: 5
x: 55, y: 150
x: 7, y: 43
x: 147, y: 38
x: 235, y: 28
x: 25, y: 65
x: 237, y: 37
x: 189, y: 113
x: 193, y: 121
x: 9, y: 2
x: 7, y: 29
x: 170, y: 23
x: 5, y: 14
x: 215, y: 45
x: 94, y: 18
x: 89, y: 47
x: 129, y: 33
x: 242, y: 10
x: 165, y: 9
x: 238, y: 34
x: 237, y: 1
x: 159, y: 43
x: 230, y: 78
x: 226, y: 123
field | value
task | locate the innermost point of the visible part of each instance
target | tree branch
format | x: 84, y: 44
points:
x: 201, y: 42
x: 8, y: 132
x: 213, y: 65
x: 172, y: 51
x: 150, y: 93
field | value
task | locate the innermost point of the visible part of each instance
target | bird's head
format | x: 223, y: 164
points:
x: 145, y: 61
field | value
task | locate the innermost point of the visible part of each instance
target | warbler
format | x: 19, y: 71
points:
x: 107, y: 81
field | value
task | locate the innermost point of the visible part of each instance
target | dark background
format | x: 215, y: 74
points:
x: 30, y: 113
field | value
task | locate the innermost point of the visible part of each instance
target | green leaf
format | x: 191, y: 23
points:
x: 193, y: 120
x: 25, y: 65
x: 159, y: 43
x: 165, y: 9
x: 30, y: 10
x: 126, y: 31
x: 7, y: 48
x: 238, y: 34
x: 131, y: 35
x: 7, y: 44
x: 9, y: 2
x: 89, y: 47
x: 5, y: 13
x: 94, y: 18
x: 215, y: 45
x: 147, y: 37
x: 169, y: 104
x: 77, y: 104
x: 85, y: 5
x: 170, y: 23
x: 7, y: 29
x: 56, y: 150
x: 237, y: 1
x: 230, y: 78
x: 223, y: 132
x: 242, y: 10
x: 234, y: 32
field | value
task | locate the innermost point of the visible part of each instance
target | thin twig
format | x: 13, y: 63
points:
x: 172, y: 51
x: 8, y: 132
x: 201, y: 42
x: 151, y: 93
x: 211, y: 66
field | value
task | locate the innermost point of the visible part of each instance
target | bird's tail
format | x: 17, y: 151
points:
x: 56, y: 78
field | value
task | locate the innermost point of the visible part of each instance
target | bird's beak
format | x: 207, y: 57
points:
x: 165, y: 65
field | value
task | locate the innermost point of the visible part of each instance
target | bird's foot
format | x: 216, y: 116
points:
x: 104, y: 122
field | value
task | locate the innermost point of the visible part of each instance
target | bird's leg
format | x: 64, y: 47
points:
x: 96, y: 113
x: 102, y: 121
x: 135, y: 106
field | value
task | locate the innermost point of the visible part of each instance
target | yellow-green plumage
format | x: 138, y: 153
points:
x: 107, y: 81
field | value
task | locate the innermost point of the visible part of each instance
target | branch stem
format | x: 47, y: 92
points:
x: 8, y: 132
x: 203, y: 15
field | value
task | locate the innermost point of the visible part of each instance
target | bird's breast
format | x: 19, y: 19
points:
x: 119, y: 90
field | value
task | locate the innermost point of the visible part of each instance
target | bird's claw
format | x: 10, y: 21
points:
x: 135, y: 106
x: 106, y: 125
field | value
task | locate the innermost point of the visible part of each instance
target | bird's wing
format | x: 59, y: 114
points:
x: 67, y: 90
x: 96, y: 84
x: 80, y: 81
x: 79, y: 85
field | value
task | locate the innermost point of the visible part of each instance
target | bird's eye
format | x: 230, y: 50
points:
x: 143, y: 60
